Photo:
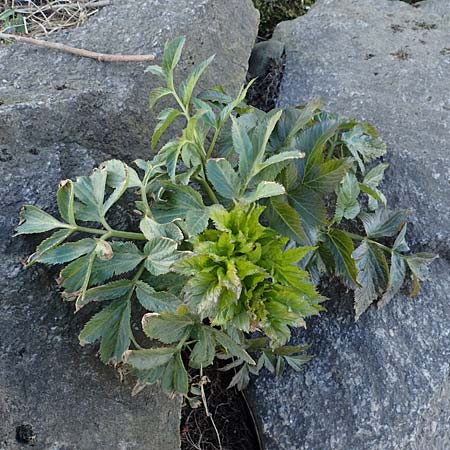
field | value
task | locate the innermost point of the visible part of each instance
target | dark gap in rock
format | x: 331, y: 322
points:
x: 230, y: 412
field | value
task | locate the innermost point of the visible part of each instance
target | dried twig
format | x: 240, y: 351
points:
x: 78, y: 51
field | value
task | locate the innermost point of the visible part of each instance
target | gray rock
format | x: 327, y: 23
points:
x: 263, y: 55
x: 381, y: 383
x: 59, y: 116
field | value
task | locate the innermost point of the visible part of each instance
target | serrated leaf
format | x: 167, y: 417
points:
x: 149, y: 358
x: 109, y: 291
x: 341, y: 248
x: 112, y: 325
x: 292, y: 121
x: 91, y: 192
x: 310, y: 206
x: 34, y: 220
x: 157, y: 94
x: 156, y: 70
x: 161, y: 254
x: 232, y: 347
x: 165, y: 119
x: 126, y: 256
x: 180, y: 376
x: 166, y: 327
x: 68, y: 252
x: 172, y: 53
x: 223, y: 177
x: 263, y: 190
x: 65, y: 197
x: 155, y: 301
x: 204, y: 350
x: 383, y: 223
x: 362, y: 146
x: 418, y: 264
x: 397, y: 272
x: 193, y: 79
x: 325, y: 177
x: 244, y: 148
x: 168, y: 155
x: 183, y: 203
x: 297, y: 362
x: 285, y: 219
x: 241, y: 379
x: 57, y: 238
x: 347, y: 205
x: 372, y: 276
x: 152, y: 229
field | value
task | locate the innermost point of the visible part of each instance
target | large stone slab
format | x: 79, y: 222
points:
x: 59, y: 116
x: 381, y: 383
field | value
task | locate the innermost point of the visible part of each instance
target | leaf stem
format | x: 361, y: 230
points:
x: 111, y: 233
x: 357, y: 237
x: 213, y: 142
x: 208, y: 189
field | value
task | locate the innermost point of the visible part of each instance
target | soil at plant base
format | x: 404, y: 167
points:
x: 229, y: 411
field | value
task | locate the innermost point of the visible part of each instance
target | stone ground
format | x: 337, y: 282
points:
x: 381, y: 383
x: 59, y: 116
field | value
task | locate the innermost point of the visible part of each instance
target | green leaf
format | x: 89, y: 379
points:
x: 157, y: 94
x: 166, y: 327
x: 310, y: 206
x: 65, y: 197
x: 91, y: 192
x: 193, y: 79
x: 241, y: 379
x: 156, y: 70
x: 279, y: 161
x: 180, y: 376
x: 183, y: 203
x: 347, y: 205
x: 172, y: 54
x: 370, y: 186
x: 232, y: 347
x: 110, y: 291
x: 419, y: 263
x: 161, y: 254
x: 126, y: 256
x: 34, y: 220
x: 263, y: 190
x: 149, y: 358
x: 244, y: 148
x: 362, y: 146
x: 297, y: 361
x: 372, y: 276
x: 57, y: 238
x: 204, y: 350
x: 325, y: 177
x: 68, y: 252
x: 155, y: 301
x: 383, y: 223
x: 169, y: 155
x: 152, y: 229
x: 292, y: 121
x: 112, y: 325
x: 223, y: 177
x: 341, y: 248
x: 397, y: 272
x: 165, y: 119
x: 285, y: 219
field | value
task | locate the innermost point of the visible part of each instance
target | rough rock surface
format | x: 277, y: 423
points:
x: 59, y: 116
x: 381, y: 383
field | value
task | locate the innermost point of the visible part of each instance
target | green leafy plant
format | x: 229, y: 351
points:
x: 238, y: 219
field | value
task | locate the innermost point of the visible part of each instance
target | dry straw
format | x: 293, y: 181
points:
x: 40, y: 18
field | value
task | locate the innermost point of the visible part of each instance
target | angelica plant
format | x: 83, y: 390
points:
x: 240, y: 216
